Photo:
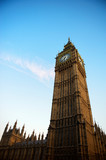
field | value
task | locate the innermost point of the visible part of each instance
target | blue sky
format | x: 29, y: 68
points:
x: 31, y: 34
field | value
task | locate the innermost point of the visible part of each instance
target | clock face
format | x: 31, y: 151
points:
x: 64, y: 58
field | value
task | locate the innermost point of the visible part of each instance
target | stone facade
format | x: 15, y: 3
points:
x: 71, y: 133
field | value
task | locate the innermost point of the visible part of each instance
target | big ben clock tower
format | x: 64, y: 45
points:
x: 71, y: 132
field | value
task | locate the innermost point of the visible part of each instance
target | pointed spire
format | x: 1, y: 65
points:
x: 32, y: 136
x: 22, y: 131
x: 39, y: 137
x: 35, y: 138
x: 28, y: 138
x: 42, y: 136
x: 6, y: 127
x: 95, y: 125
x: 10, y: 128
x: 33, y: 133
x: 24, y: 135
x: 68, y: 39
x: 15, y: 125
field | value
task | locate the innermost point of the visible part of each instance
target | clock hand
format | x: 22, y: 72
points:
x: 63, y: 59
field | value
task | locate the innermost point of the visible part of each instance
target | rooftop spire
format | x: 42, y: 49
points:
x: 24, y: 135
x: 6, y: 127
x: 35, y: 138
x: 42, y: 136
x: 68, y: 39
x: 32, y: 136
x: 22, y: 131
x: 39, y: 137
x: 15, y: 125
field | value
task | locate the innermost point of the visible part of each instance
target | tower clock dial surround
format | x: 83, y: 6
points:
x: 64, y: 58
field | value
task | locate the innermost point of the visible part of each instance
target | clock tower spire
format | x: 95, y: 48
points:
x: 68, y: 39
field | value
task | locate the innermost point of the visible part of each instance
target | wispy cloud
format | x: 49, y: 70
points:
x: 22, y: 65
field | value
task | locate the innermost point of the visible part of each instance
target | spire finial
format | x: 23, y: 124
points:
x: 68, y: 39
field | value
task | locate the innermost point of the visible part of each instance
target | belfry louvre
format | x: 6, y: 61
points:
x: 72, y: 135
